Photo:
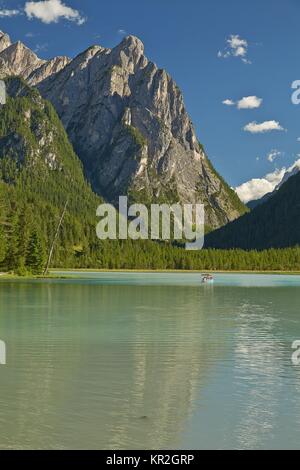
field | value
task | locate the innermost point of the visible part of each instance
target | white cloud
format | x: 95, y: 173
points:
x: 260, y: 128
x: 51, y: 11
x: 236, y: 47
x: 238, y: 44
x: 9, y: 13
x: 122, y: 32
x: 273, y: 155
x: 249, y: 102
x: 259, y: 187
x: 228, y: 103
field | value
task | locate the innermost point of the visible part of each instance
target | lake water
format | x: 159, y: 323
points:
x: 150, y: 361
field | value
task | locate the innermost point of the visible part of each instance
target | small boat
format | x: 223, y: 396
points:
x: 207, y: 279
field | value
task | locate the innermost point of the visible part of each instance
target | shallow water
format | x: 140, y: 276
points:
x: 123, y: 361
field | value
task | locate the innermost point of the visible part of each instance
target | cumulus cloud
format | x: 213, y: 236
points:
x: 249, y: 102
x: 259, y: 187
x: 51, y: 11
x: 235, y: 47
x: 260, y: 128
x: 229, y: 102
x: 9, y: 13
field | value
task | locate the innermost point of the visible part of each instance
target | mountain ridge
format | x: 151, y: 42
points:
x: 291, y: 171
x: 127, y: 121
x: 273, y: 224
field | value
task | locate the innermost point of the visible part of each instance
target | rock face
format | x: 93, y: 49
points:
x: 127, y: 121
x: 47, y: 69
x: 17, y: 59
x: 4, y: 41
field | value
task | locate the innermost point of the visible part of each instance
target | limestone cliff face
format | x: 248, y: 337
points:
x: 17, y: 59
x: 4, y: 41
x: 47, y: 69
x: 127, y: 121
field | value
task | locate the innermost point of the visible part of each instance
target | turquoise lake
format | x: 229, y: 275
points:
x: 150, y: 361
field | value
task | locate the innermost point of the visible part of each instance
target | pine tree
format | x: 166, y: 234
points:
x: 2, y: 244
x: 35, y: 259
x: 12, y: 261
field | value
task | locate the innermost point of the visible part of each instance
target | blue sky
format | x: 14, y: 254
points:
x: 262, y: 60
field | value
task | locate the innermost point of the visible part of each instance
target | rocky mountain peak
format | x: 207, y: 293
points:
x: 130, y: 54
x: 127, y: 121
x: 5, y: 41
x: 132, y: 44
x: 17, y: 59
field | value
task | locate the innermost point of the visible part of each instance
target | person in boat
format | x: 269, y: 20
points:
x: 207, y: 278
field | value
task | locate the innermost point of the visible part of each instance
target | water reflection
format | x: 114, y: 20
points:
x: 103, y: 366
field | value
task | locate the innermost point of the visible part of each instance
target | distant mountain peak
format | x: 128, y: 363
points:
x: 132, y: 42
x: 17, y: 59
x: 5, y: 41
x: 293, y: 170
x: 3, y: 34
x: 284, y: 175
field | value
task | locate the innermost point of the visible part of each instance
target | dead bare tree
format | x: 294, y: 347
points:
x: 55, y: 238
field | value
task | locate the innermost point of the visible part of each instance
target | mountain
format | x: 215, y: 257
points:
x: 127, y: 121
x: 39, y: 173
x: 293, y: 170
x: 274, y: 224
x: 258, y: 202
x: 18, y: 60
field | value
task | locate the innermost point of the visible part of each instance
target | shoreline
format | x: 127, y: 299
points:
x: 174, y: 271
x: 65, y: 274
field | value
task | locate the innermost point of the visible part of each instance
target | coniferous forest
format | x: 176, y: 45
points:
x: 28, y: 226
x: 39, y: 172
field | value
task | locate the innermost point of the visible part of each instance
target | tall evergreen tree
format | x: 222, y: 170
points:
x: 35, y: 259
